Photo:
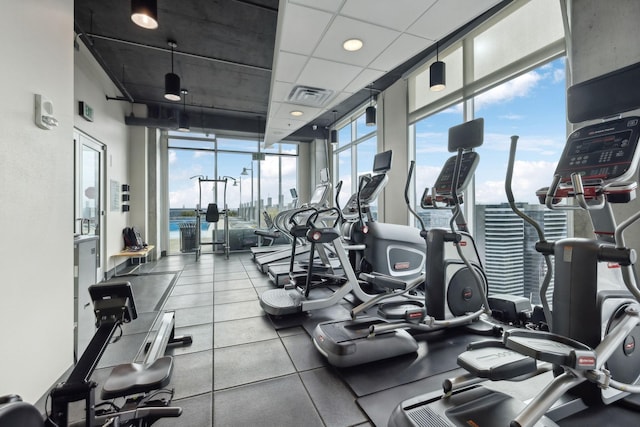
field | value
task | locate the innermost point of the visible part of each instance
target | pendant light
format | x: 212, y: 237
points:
x: 333, y: 135
x: 370, y: 112
x: 144, y: 13
x: 172, y: 80
x: 183, y: 117
x: 437, y: 74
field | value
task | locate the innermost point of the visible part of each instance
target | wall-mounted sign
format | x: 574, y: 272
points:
x: 85, y: 111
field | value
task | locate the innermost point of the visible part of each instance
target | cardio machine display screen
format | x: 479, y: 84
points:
x: 319, y: 195
x: 603, y: 151
x: 444, y: 182
x: 371, y: 188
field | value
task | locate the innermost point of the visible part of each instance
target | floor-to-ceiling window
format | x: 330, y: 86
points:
x: 353, y: 155
x: 531, y: 106
x: 430, y: 135
x: 518, y: 86
x: 242, y: 178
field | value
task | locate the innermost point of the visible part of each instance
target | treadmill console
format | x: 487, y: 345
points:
x: 602, y: 152
x: 443, y: 184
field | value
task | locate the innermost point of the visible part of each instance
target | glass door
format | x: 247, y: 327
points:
x: 89, y: 193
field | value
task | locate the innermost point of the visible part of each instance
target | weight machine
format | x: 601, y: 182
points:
x: 212, y: 215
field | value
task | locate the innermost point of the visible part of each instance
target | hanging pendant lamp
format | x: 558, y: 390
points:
x: 333, y: 135
x: 437, y: 74
x: 370, y: 112
x: 172, y: 80
x: 183, y: 117
x: 144, y: 13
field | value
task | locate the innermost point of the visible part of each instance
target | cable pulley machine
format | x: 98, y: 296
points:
x: 212, y: 215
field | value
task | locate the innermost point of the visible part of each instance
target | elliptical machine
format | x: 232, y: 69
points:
x: 593, y: 331
x: 399, y: 249
x: 455, y: 285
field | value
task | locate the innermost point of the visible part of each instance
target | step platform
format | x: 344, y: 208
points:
x: 348, y: 342
x: 490, y: 359
x: 473, y: 406
x: 552, y: 348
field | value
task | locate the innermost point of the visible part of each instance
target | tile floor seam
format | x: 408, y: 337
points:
x: 302, y: 381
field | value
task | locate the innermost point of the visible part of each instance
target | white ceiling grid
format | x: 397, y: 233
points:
x: 309, y: 51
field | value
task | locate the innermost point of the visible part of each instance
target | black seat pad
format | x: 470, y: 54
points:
x: 20, y: 414
x: 212, y: 215
x: 132, y: 378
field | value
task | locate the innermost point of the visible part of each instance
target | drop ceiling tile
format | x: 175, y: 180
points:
x: 290, y: 125
x: 398, y: 14
x: 375, y: 39
x: 280, y: 91
x: 328, y: 5
x: 284, y: 112
x: 288, y: 66
x: 366, y: 77
x: 446, y: 16
x: 342, y: 96
x: 302, y: 28
x: 327, y: 75
x: 401, y: 50
x: 274, y: 107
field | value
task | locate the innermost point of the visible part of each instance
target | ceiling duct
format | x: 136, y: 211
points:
x: 309, y: 96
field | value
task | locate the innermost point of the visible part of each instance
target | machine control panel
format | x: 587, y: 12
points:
x: 444, y: 182
x: 602, y: 152
x: 368, y: 195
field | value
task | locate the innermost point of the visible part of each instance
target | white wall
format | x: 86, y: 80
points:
x: 91, y: 85
x: 36, y: 195
x: 37, y: 192
x: 138, y: 173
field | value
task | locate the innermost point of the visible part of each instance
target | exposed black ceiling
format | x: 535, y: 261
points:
x: 223, y: 56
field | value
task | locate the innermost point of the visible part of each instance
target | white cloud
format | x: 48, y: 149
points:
x: 425, y: 177
x: 558, y: 75
x: 512, y: 117
x: 542, y: 145
x: 528, y: 177
x: 519, y: 87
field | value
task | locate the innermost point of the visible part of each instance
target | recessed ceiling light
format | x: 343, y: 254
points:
x: 352, y: 45
x: 296, y: 113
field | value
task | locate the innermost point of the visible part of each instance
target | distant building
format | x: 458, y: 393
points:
x: 507, y: 245
x: 435, y: 218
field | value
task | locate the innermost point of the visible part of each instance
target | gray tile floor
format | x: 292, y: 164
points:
x: 240, y: 371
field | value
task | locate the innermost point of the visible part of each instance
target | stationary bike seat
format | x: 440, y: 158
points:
x: 132, y: 378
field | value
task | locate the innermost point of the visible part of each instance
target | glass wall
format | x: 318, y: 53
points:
x: 353, y: 156
x: 430, y: 135
x: 234, y: 173
x: 531, y: 106
x: 518, y: 87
